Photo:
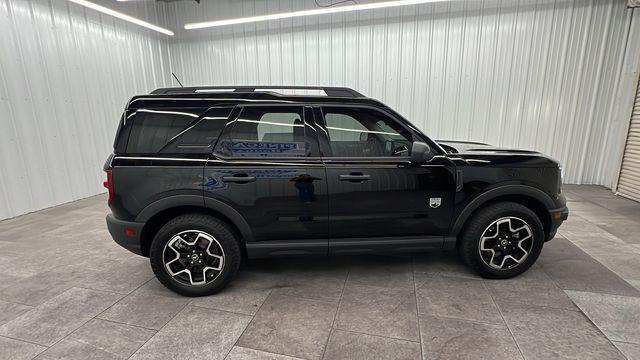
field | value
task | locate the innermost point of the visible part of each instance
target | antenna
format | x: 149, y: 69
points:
x: 178, y: 80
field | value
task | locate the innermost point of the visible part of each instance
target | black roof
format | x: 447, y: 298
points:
x: 206, y: 96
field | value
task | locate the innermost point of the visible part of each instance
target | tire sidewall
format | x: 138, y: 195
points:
x: 211, y: 226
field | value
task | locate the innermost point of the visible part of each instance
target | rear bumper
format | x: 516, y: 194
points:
x: 117, y: 229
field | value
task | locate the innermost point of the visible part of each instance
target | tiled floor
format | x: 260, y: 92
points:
x: 68, y: 291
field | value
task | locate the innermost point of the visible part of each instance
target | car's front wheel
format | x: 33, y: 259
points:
x: 195, y: 255
x: 501, y: 240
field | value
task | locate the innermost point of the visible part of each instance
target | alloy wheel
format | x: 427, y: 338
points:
x: 193, y: 257
x: 506, y: 243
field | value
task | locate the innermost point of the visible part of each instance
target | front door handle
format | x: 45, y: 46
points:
x: 239, y: 178
x: 355, y: 177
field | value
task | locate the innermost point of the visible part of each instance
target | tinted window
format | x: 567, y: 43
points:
x: 152, y: 129
x: 201, y: 136
x: 269, y: 131
x: 363, y: 132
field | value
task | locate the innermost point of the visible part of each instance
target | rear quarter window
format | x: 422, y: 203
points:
x: 193, y: 130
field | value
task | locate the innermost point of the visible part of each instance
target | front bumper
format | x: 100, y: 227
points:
x: 558, y: 216
x: 126, y: 233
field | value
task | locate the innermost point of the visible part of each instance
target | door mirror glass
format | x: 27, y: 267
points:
x: 420, y: 152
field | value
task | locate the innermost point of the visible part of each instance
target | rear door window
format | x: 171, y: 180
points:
x: 267, y: 131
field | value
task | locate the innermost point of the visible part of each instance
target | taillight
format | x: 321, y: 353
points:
x: 109, y: 185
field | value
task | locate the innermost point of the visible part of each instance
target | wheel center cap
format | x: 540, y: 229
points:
x: 504, y: 242
x: 194, y: 257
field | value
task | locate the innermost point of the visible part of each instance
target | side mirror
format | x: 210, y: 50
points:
x: 402, y: 149
x: 420, y: 152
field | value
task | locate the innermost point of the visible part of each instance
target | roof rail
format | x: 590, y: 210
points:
x: 330, y: 91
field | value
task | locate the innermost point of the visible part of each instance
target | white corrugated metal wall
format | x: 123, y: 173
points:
x: 540, y: 75
x: 65, y: 76
x: 550, y: 75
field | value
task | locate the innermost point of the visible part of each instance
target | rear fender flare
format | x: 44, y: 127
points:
x: 197, y: 201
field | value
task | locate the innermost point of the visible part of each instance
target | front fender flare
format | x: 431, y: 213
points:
x: 496, y: 192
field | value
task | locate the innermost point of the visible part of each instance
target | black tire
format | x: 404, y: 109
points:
x: 469, y: 240
x: 200, y: 222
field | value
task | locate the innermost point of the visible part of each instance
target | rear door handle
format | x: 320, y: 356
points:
x: 239, y: 178
x: 355, y: 177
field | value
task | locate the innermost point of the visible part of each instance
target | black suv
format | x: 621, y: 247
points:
x: 203, y: 177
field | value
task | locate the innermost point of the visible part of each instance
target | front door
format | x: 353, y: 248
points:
x: 267, y: 167
x: 375, y: 192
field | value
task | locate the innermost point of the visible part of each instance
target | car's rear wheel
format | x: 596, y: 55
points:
x: 195, y: 255
x: 501, y: 240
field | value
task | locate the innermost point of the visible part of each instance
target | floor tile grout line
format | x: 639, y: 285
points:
x: 611, y: 341
x: 22, y: 340
x: 506, y: 324
x: 23, y: 304
x: 66, y: 336
x: 328, y: 302
x: 625, y: 342
x: 265, y: 351
x: 125, y: 324
x: 448, y: 275
x: 72, y: 331
x: 158, y: 331
x: 42, y: 350
x: 101, y: 291
x: 592, y: 257
x: 443, y: 317
x: 599, y: 293
x: 575, y: 309
x: 377, y: 335
x: 249, y: 324
x: 122, y: 298
x: 335, y: 315
x: 613, y: 211
x: 221, y: 310
x: 415, y: 296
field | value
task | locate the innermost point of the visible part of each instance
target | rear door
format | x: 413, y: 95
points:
x: 375, y: 192
x: 266, y: 166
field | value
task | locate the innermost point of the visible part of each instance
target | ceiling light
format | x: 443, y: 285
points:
x: 122, y: 16
x: 322, y: 11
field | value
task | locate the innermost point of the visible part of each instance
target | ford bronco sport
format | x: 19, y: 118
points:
x: 202, y: 177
